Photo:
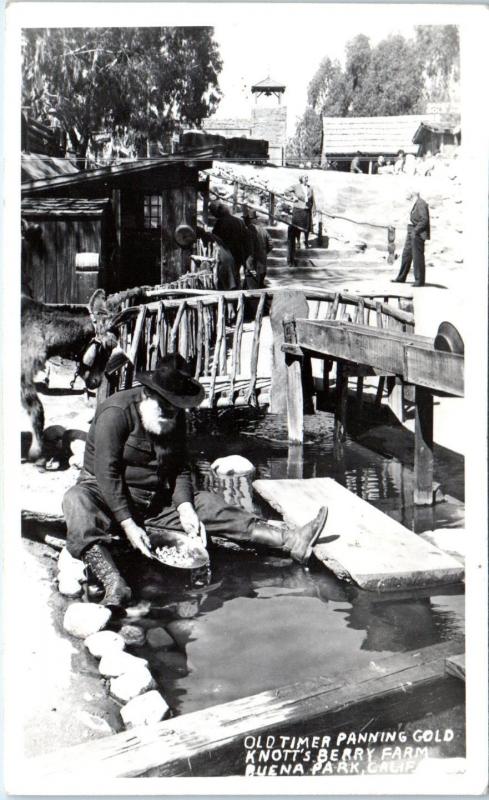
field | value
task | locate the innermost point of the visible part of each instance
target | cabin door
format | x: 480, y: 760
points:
x: 141, y: 239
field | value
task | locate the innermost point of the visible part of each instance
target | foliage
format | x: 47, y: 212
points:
x: 397, y: 76
x: 138, y: 81
x: 439, y: 51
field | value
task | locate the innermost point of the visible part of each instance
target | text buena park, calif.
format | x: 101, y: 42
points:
x: 345, y: 753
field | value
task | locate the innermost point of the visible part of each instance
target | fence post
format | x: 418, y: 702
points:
x: 320, y: 232
x: 391, y: 244
x: 235, y: 196
x: 271, y: 209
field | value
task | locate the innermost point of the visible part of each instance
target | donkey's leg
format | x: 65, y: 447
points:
x: 33, y: 406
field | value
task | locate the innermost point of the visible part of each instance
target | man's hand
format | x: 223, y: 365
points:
x: 191, y: 524
x: 137, y: 537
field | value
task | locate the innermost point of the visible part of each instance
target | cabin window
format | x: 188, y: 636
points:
x: 152, y: 211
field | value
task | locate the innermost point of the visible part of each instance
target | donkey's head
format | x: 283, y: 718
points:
x: 99, y: 348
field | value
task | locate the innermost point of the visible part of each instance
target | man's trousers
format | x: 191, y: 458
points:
x: 89, y: 520
x: 413, y: 253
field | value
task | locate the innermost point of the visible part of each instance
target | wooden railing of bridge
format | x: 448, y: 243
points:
x: 277, y: 207
x: 221, y: 335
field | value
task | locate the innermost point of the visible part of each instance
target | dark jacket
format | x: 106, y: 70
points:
x: 121, y: 455
x: 234, y: 235
x: 260, y: 245
x: 420, y: 219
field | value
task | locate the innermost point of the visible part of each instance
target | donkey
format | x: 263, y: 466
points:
x: 77, y: 332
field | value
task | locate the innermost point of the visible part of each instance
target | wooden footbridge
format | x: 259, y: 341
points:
x: 359, y: 350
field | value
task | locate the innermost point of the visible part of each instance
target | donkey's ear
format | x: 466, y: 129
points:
x: 96, y: 304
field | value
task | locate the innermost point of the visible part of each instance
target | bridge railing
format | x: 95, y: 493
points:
x: 277, y: 207
x: 225, y: 337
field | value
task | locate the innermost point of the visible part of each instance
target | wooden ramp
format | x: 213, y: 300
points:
x: 359, y: 542
x: 211, y: 741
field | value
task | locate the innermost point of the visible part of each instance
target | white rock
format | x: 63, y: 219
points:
x: 94, y: 722
x: 158, y: 637
x: 103, y: 642
x: 146, y: 709
x: 70, y: 567
x: 82, y: 619
x: 116, y: 662
x: 132, y: 635
x: 131, y: 684
x: 69, y: 586
x: 232, y: 465
x: 141, y: 609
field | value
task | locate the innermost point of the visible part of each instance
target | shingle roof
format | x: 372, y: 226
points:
x: 63, y: 207
x: 372, y: 135
x: 38, y: 167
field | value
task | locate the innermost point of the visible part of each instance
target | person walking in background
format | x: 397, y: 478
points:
x: 418, y: 232
x: 355, y: 164
x: 303, y: 199
x: 261, y: 244
x: 400, y: 162
x: 310, y: 206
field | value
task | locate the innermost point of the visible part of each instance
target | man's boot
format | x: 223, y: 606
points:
x: 117, y: 592
x: 298, y: 542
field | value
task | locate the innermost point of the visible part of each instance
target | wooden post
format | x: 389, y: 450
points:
x: 320, y: 233
x: 283, y: 303
x: 423, y: 447
x: 295, y: 399
x: 205, y: 201
x: 359, y: 396
x: 235, y: 196
x: 391, y: 244
x: 271, y: 209
x: 341, y: 401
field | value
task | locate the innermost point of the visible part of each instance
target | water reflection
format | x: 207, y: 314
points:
x: 265, y: 621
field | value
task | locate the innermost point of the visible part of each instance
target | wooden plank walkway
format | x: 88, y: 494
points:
x: 174, y: 746
x: 359, y: 542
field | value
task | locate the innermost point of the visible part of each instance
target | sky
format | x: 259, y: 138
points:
x: 289, y: 52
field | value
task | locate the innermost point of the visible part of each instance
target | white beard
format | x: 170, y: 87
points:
x: 152, y: 418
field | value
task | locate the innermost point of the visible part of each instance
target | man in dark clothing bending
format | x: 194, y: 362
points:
x: 418, y: 231
x: 232, y: 231
x: 136, y: 477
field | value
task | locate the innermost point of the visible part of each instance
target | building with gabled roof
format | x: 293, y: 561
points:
x: 345, y: 137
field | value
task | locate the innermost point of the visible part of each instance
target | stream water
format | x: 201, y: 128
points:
x: 264, y: 621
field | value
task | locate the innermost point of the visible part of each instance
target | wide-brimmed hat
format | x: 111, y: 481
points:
x: 171, y: 382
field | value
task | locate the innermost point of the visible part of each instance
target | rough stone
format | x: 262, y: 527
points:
x: 69, y: 586
x: 132, y: 635
x: 233, y: 465
x: 146, y: 709
x: 131, y: 684
x: 115, y: 663
x: 69, y: 567
x: 159, y: 637
x: 103, y: 642
x: 181, y: 630
x: 82, y: 619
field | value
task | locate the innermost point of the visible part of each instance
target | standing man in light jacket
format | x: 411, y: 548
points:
x: 418, y: 231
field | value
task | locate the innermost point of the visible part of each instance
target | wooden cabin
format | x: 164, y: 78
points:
x: 69, y: 248
x: 132, y: 211
x: 443, y: 136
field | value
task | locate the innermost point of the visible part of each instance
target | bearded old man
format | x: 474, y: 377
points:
x: 136, y: 478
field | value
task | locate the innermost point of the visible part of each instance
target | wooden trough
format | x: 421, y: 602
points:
x: 359, y: 542
x: 211, y: 741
